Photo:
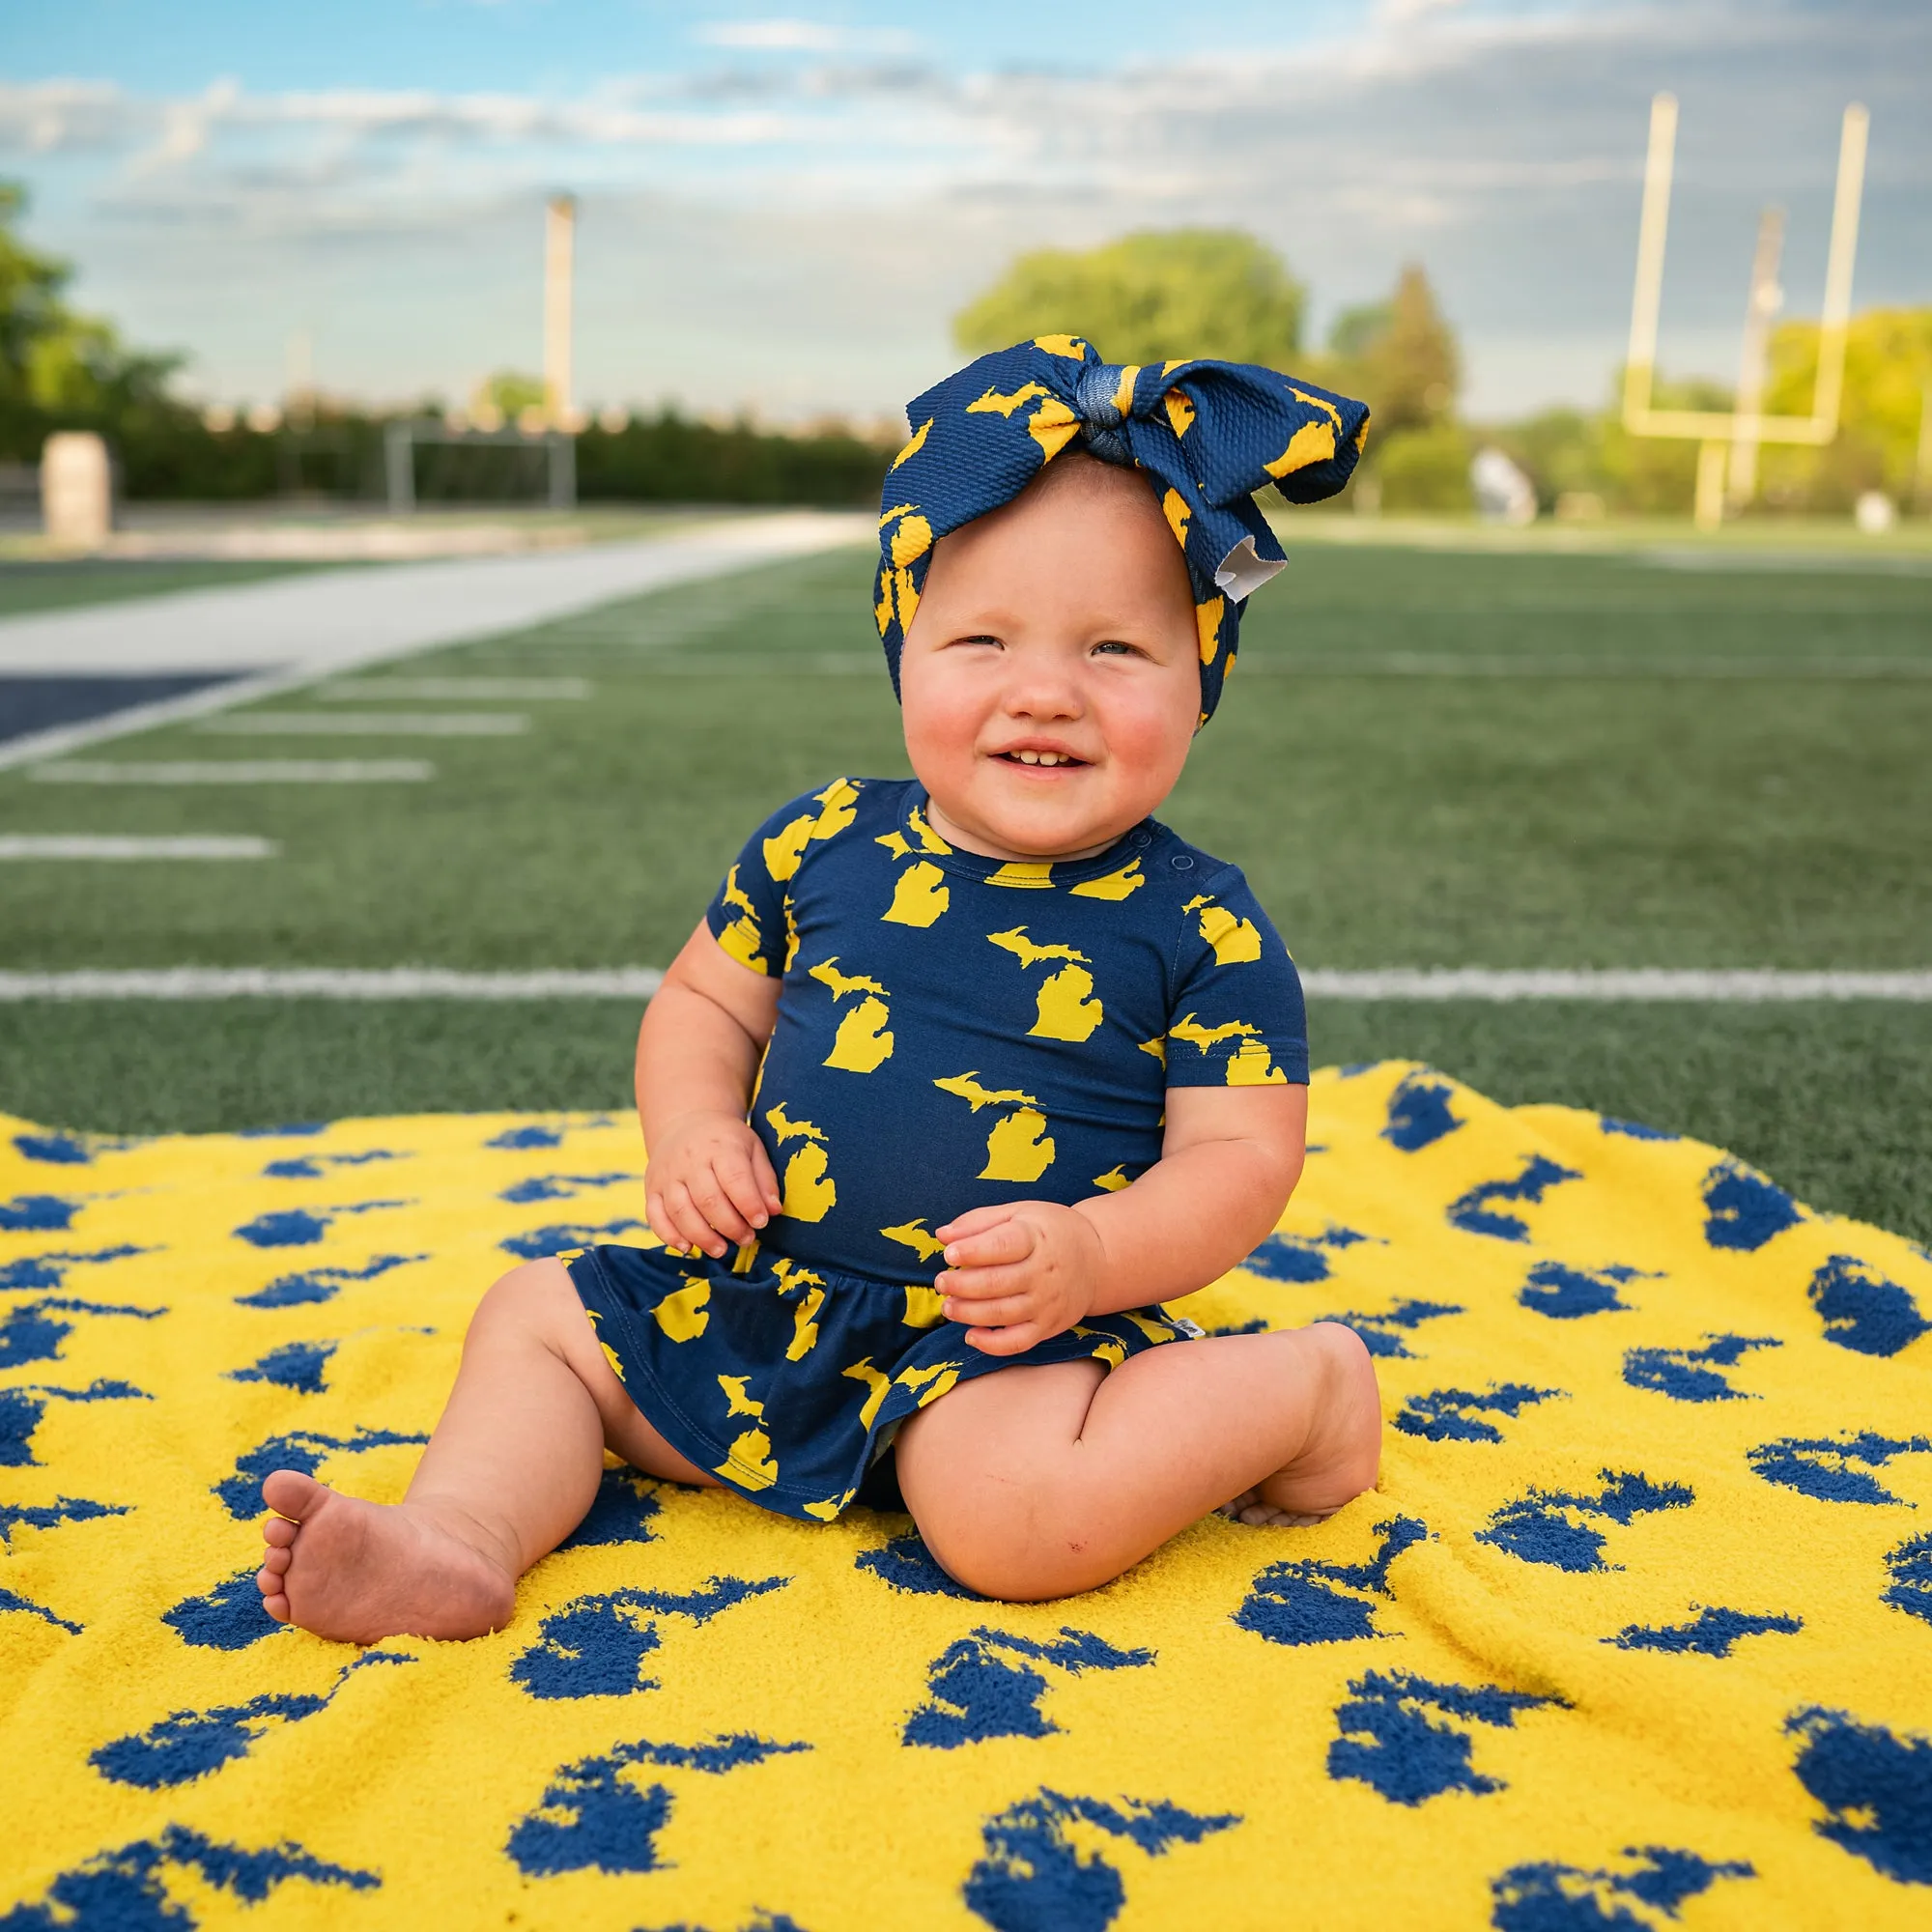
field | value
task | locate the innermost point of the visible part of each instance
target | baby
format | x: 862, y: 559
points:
x: 995, y: 1021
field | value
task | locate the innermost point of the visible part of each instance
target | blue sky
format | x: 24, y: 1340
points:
x: 782, y: 206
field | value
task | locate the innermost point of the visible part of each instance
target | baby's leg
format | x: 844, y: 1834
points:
x: 508, y: 1474
x: 1043, y: 1481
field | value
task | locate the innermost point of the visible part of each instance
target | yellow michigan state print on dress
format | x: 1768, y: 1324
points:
x: 953, y: 1032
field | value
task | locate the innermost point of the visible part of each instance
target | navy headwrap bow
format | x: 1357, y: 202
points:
x: 1208, y: 433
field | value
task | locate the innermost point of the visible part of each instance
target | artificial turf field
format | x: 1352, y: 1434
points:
x: 1427, y: 757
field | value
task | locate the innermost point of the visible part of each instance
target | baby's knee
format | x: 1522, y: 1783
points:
x: 537, y: 1300
x: 1030, y: 1551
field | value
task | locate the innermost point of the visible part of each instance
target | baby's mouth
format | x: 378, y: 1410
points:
x: 1046, y: 758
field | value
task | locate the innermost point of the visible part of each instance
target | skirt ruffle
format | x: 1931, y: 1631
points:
x: 787, y: 1383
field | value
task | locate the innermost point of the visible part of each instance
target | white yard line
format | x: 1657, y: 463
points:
x: 395, y: 983
x: 292, y: 632
x: 638, y: 983
x: 454, y: 690
x: 367, y: 725
x: 88, y: 846
x: 239, y: 771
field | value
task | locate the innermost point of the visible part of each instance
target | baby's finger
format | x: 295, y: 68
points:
x: 1006, y: 1313
x: 976, y: 1285
x: 1009, y: 1242
x: 735, y: 1176
x: 975, y: 1220
x: 763, y: 1173
x: 1006, y: 1341
x: 694, y: 1231
x: 708, y: 1194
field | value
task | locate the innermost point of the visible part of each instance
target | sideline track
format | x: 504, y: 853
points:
x: 264, y: 639
x: 1746, y: 986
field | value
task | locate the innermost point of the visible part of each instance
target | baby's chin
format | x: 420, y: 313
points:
x: 1040, y: 818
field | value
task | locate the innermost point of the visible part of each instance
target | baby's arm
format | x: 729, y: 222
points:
x: 1230, y: 1159
x: 709, y: 1182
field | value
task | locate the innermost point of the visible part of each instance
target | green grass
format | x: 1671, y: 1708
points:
x: 1385, y: 820
x: 57, y: 584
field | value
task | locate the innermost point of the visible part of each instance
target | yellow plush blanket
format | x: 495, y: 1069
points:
x: 1637, y: 1630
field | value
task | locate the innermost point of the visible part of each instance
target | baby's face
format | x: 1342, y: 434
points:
x: 1051, y: 680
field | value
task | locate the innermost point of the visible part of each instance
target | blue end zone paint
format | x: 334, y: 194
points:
x: 1691, y: 1375
x: 1543, y: 1896
x: 1031, y: 1879
x: 590, y: 1819
x: 300, y: 1449
x: 1743, y: 1211
x: 1876, y: 1786
x: 1633, y: 1130
x: 558, y: 1186
x: 1418, y: 1112
x: 1712, y: 1634
x: 230, y: 1617
x: 1566, y: 1293
x: 187, y: 1745
x: 1474, y: 1211
x: 316, y: 1166
x: 594, y: 1646
x: 9, y: 1600
x: 29, y: 1333
x: 123, y: 1891
x: 620, y: 1512
x: 1312, y: 1601
x: 1864, y: 1311
x: 976, y: 1694
x: 1822, y: 1467
x: 37, y: 1215
x: 1299, y: 1257
x: 909, y: 1566
x: 1911, y: 1569
x: 49, y: 1270
x: 1536, y: 1528
x: 1380, y: 1333
x: 301, y: 1227
x: 1388, y: 1741
x: 295, y: 1365
x: 21, y: 1411
x: 560, y: 1235
x: 53, y: 1150
x: 51, y: 1515
x: 324, y: 1284
x: 1454, y: 1415
x: 517, y: 1139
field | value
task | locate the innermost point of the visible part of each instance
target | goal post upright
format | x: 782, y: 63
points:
x: 1744, y: 428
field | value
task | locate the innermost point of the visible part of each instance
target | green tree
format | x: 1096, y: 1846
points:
x: 54, y: 361
x: 1888, y: 384
x: 1400, y: 357
x: 1158, y: 296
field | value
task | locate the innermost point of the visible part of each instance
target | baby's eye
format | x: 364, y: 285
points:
x: 980, y: 639
x: 1116, y: 647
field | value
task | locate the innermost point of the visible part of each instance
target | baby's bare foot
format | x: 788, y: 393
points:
x: 1344, y: 1448
x: 356, y: 1571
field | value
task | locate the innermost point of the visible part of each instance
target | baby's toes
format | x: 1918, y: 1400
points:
x: 276, y: 1562
x: 278, y: 1532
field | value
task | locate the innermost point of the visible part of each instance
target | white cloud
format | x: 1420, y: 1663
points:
x: 790, y: 36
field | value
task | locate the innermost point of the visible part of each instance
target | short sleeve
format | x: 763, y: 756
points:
x: 751, y: 917
x: 1238, y: 1019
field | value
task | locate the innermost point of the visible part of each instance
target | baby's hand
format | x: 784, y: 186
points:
x: 1017, y: 1274
x: 708, y: 1183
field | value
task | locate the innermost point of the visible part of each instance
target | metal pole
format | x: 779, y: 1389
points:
x: 1647, y: 298
x: 559, y: 236
x: 1766, y: 299
x: 399, y: 465
x: 1831, y: 390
